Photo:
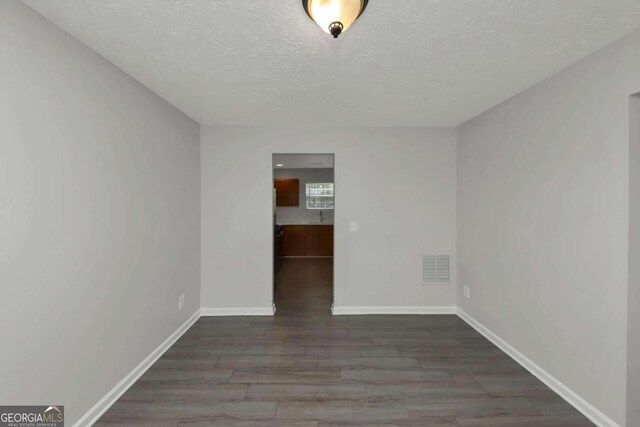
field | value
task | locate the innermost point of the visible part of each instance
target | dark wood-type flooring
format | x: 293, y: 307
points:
x: 306, y: 368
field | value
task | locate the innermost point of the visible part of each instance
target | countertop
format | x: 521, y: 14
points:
x: 305, y: 223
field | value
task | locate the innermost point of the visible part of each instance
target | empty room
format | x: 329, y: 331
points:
x: 320, y: 213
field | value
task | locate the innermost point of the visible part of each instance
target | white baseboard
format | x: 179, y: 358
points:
x: 342, y: 311
x: 241, y: 311
x: 112, y: 396
x: 552, y: 382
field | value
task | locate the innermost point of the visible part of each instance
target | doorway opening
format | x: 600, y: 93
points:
x: 303, y: 233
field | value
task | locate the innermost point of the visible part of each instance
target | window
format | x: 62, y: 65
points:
x: 319, y: 196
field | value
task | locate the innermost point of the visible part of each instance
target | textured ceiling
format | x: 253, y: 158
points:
x: 403, y: 63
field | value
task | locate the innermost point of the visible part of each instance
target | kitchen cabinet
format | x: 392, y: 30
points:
x: 287, y: 191
x: 308, y: 240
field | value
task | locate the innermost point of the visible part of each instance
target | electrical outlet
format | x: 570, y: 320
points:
x: 353, y: 226
x: 180, y: 302
x: 466, y: 291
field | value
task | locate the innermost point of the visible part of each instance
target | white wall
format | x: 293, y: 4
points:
x: 99, y: 218
x: 300, y: 214
x: 633, y: 332
x: 543, y: 185
x: 399, y: 184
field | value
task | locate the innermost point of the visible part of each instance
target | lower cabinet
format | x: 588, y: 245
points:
x: 307, y: 240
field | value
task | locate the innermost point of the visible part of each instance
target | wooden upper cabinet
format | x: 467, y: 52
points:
x: 287, y: 191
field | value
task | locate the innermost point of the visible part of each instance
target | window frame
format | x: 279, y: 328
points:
x: 309, y: 198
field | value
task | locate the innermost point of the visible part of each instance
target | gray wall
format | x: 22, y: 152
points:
x: 99, y: 218
x: 543, y: 191
x: 300, y: 214
x: 399, y: 184
x: 633, y: 333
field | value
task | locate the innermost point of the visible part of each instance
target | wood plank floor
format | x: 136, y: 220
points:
x: 306, y: 368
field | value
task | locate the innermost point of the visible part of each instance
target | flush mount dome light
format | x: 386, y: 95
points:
x: 334, y: 16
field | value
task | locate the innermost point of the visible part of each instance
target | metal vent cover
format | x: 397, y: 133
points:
x: 436, y: 269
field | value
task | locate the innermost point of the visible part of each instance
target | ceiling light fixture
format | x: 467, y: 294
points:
x: 279, y: 165
x: 334, y: 16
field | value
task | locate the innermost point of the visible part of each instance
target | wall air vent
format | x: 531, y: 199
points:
x: 436, y: 269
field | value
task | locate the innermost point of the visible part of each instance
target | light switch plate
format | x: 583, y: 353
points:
x: 466, y: 291
x: 180, y: 302
x: 353, y: 226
